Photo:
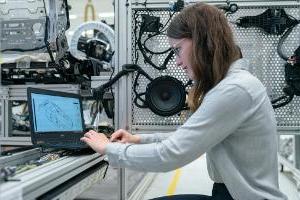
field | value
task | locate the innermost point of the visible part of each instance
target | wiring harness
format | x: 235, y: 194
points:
x: 278, y: 22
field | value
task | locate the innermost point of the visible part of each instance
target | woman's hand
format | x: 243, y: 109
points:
x: 96, y: 141
x: 123, y: 136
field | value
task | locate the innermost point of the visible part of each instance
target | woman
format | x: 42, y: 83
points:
x: 233, y: 121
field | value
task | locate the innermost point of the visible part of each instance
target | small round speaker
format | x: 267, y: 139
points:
x: 165, y: 96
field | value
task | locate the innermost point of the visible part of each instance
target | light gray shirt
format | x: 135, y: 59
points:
x: 235, y: 125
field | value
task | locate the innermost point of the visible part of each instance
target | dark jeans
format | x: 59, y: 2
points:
x: 219, y: 192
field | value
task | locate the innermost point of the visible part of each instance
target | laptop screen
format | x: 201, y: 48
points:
x: 56, y: 113
x: 56, y: 118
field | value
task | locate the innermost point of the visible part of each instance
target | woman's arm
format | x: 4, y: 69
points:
x: 220, y: 114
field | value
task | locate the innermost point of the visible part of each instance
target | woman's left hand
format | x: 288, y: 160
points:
x: 96, y: 141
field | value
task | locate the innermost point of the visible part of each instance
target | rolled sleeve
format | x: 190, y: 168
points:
x: 143, y: 157
x: 154, y: 137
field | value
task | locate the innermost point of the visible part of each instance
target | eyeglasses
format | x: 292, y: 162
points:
x: 176, y: 49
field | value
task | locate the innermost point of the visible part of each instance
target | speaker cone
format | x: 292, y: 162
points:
x: 165, y: 96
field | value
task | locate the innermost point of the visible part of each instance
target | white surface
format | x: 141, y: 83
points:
x: 288, y: 187
x: 194, y: 179
x: 12, y: 194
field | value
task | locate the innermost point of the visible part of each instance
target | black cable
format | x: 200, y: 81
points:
x: 127, y: 68
x: 163, y: 29
x: 138, y: 95
x: 111, y: 91
x: 67, y: 14
x: 94, y: 112
x: 135, y: 37
x: 148, y: 59
x: 278, y: 99
x: 290, y: 91
x: 145, y: 3
x: 287, y: 99
x: 189, y: 82
x: 152, y: 52
x: 292, y: 17
x: 143, y: 49
x: 280, y: 43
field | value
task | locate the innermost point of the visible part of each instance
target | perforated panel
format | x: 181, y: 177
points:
x: 145, y: 117
x: 258, y: 47
x: 265, y: 63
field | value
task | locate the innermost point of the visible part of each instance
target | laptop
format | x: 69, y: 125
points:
x: 56, y: 119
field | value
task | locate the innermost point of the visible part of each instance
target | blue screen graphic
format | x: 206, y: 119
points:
x: 55, y: 113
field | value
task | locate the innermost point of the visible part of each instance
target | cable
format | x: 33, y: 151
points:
x: 163, y: 29
x: 138, y: 95
x: 148, y: 23
x: 111, y: 91
x: 281, y: 40
x: 67, y: 14
x: 148, y: 59
x: 135, y: 37
x: 152, y: 52
x: 286, y: 99
x: 280, y: 43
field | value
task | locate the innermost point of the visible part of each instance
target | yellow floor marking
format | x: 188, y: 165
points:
x: 174, y: 182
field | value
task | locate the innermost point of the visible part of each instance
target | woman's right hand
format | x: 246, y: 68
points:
x: 123, y: 136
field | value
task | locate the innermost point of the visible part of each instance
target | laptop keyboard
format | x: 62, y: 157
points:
x: 67, y: 143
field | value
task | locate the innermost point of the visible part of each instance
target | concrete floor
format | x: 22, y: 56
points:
x: 194, y: 179
x: 191, y: 179
x: 108, y: 188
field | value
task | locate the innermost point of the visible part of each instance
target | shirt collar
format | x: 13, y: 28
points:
x: 240, y: 64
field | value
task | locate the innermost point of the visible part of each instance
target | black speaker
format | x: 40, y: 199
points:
x: 165, y: 96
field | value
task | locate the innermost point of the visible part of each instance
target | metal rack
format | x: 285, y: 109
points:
x: 11, y: 93
x: 64, y: 178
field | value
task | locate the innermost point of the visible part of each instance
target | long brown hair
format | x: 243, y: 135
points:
x: 213, y: 46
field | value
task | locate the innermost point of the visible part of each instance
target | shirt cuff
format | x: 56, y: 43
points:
x: 113, y: 152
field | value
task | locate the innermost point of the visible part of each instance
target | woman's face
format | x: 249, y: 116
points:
x: 183, y: 50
